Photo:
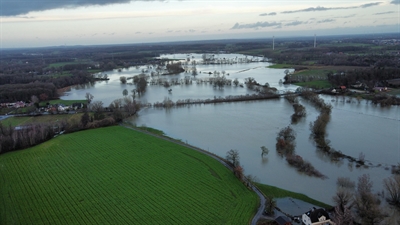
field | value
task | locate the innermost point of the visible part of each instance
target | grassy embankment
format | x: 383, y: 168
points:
x: 119, y: 176
x: 25, y: 120
x: 281, y: 193
x: 321, y: 82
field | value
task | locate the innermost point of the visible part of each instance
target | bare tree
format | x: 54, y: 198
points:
x: 194, y: 71
x: 251, y: 179
x: 97, y: 108
x: 122, y: 79
x: 125, y: 92
x: 367, y: 204
x: 285, y: 141
x: 270, y: 205
x: 85, y: 118
x: 141, y: 84
x: 264, y: 151
x: 236, y: 82
x: 89, y: 97
x: 364, y: 184
x: 361, y: 158
x: 34, y: 99
x: 239, y: 171
x: 392, y: 186
x: 343, y: 199
x: 233, y: 157
x: 130, y: 106
x: 343, y: 217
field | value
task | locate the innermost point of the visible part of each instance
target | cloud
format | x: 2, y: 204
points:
x: 395, y: 2
x: 14, y: 7
x: 370, y: 4
x: 255, y: 25
x: 326, y: 21
x: 382, y: 13
x: 268, y: 14
x: 26, y: 17
x: 295, y: 23
x: 348, y: 16
x: 321, y: 8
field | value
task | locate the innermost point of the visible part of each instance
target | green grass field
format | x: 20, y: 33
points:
x: 313, y: 72
x: 281, y: 66
x: 24, y: 120
x: 116, y: 175
x: 315, y: 84
x: 65, y: 102
x: 281, y: 193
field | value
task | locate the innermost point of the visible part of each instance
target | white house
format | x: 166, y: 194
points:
x: 316, y: 217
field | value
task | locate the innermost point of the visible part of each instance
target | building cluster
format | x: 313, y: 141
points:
x: 15, y: 105
x: 48, y: 108
x: 312, y: 217
x: 387, y: 42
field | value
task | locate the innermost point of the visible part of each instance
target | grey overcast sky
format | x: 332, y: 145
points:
x: 35, y: 23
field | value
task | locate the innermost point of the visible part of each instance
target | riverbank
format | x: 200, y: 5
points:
x: 266, y: 189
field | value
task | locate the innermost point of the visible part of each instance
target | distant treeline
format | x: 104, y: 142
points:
x: 370, y: 76
x: 23, y: 92
x: 335, y: 56
x: 76, y: 77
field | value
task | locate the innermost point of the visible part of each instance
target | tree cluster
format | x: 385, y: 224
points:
x: 12, y: 139
x: 392, y: 186
x: 140, y: 82
x: 359, y: 206
x: 175, y: 68
x: 23, y: 92
x: 299, y: 109
x: 285, y: 141
x: 285, y: 145
x: 372, y: 77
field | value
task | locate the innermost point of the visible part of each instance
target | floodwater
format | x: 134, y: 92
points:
x: 246, y: 126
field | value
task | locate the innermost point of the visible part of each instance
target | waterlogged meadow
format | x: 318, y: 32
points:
x: 119, y: 176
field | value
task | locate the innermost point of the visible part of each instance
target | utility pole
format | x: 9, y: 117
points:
x: 315, y: 40
x: 273, y: 42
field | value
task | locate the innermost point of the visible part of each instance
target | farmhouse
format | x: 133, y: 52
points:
x: 316, y: 217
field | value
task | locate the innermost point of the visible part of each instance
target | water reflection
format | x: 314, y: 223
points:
x: 245, y: 126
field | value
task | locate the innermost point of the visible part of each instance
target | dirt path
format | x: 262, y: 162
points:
x: 261, y: 207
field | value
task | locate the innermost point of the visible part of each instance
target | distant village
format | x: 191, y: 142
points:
x: 49, y: 108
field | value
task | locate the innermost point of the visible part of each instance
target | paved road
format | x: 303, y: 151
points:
x: 261, y: 207
x: 3, y: 117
